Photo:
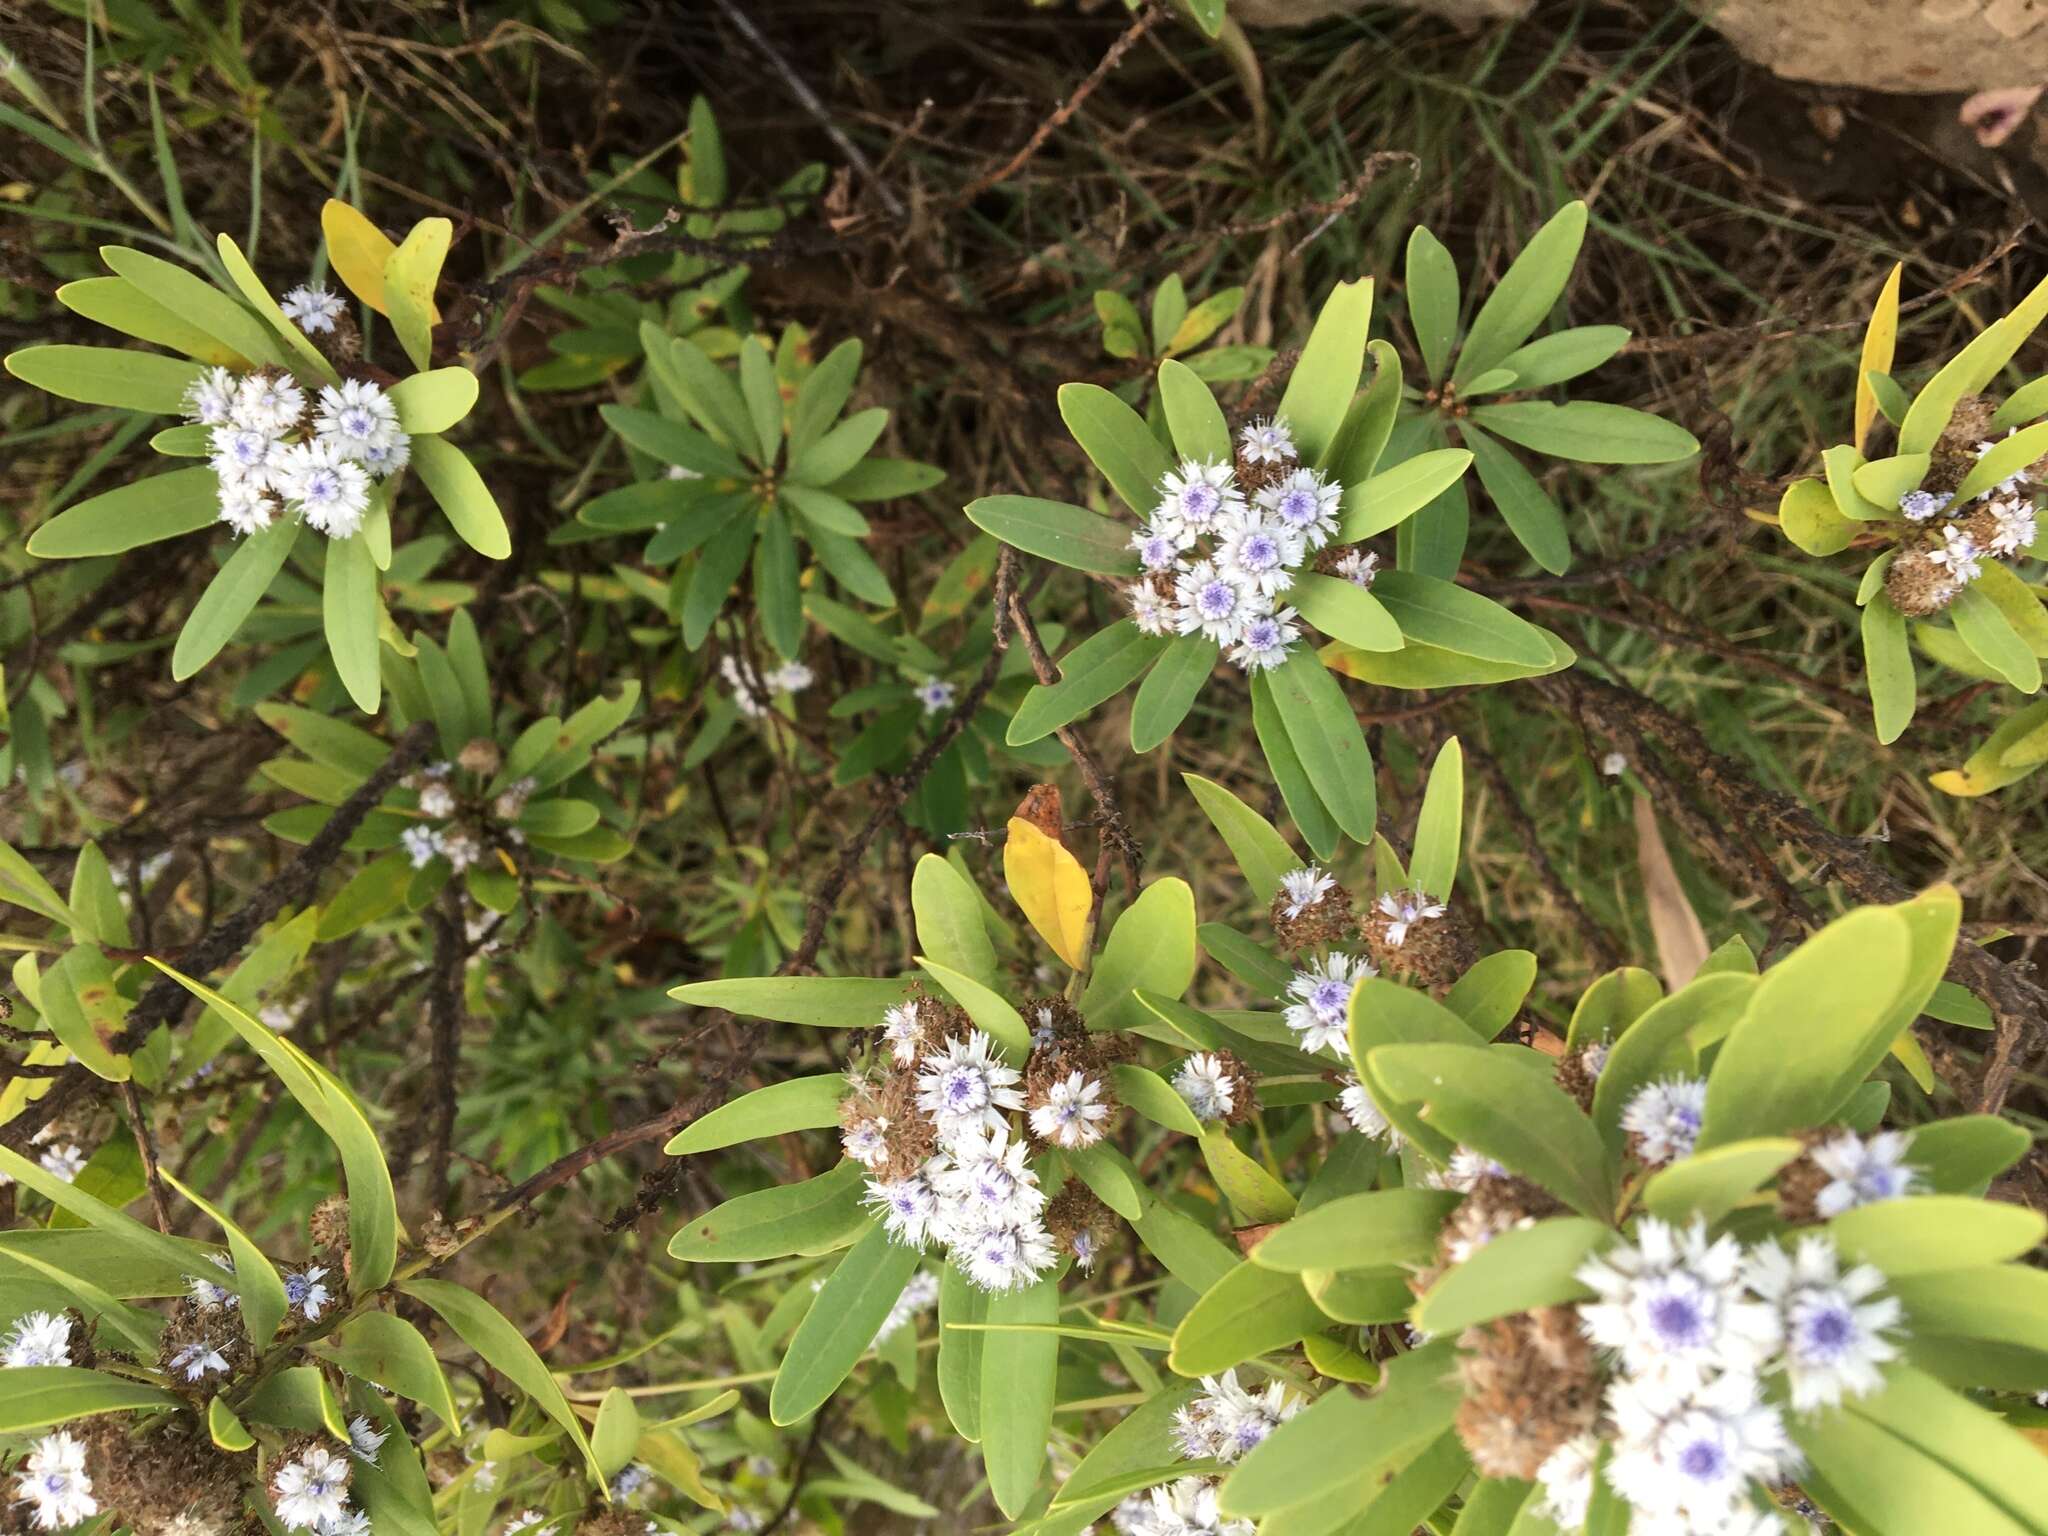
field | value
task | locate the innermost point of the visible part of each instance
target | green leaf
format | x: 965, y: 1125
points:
x: 349, y: 610
x: 841, y: 1324
x: 1150, y: 1095
x: 1380, y: 1229
x: 1097, y: 669
x: 1520, y: 1269
x: 672, y: 443
x: 1986, y: 630
x: 1492, y: 990
x: 384, y: 1348
x: 134, y: 381
x: 1524, y: 505
x: 119, y: 305
x: 1192, y: 415
x: 1433, y: 865
x: 1443, y: 614
x: 39, y: 1396
x: 1432, y: 280
x: 1564, y: 355
x: 830, y: 1002
x: 1112, y: 1178
x: 1609, y: 1006
x: 949, y: 922
x: 1711, y: 1184
x: 875, y: 479
x: 433, y: 401
x: 263, y: 1301
x: 1546, y: 1140
x: 1975, y: 1443
x: 823, y: 395
x: 462, y: 495
x: 1386, y: 1013
x: 1900, y: 1489
x: 1969, y: 371
x: 1118, y: 442
x: 1019, y: 1378
x: 333, y: 742
x: 1248, y: 1312
x: 1883, y: 481
x: 1963, y: 1155
x: 1781, y: 1068
x: 1067, y: 535
x: 1319, y: 391
x: 85, y: 1011
x: 991, y: 1012
x: 836, y: 453
x: 1808, y: 516
x: 1345, y: 611
x: 226, y: 1429
x: 232, y: 595
x: 1929, y: 1234
x: 1255, y: 1196
x: 1888, y: 668
x: 1588, y: 432
x: 485, y: 1329
x: 1369, y: 425
x: 141, y: 1329
x: 192, y: 298
x: 411, y: 273
x: 961, y: 1350
x: 764, y: 404
x: 1341, y: 1441
x: 135, y: 1239
x: 1395, y: 494
x: 372, y: 1206
x: 1262, y: 854
x: 1170, y: 689
x: 1311, y: 817
x: 1191, y: 1253
x: 1420, y: 665
x: 130, y: 516
x: 1326, y: 736
x: 819, y: 1215
x: 801, y: 1104
x: 1525, y: 294
x: 1151, y: 946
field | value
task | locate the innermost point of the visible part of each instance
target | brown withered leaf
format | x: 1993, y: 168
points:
x: 1041, y: 807
x: 1681, y: 941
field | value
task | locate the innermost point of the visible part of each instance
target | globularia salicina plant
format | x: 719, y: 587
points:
x: 179, y: 1387
x: 298, y: 427
x: 1667, y: 1274
x: 1943, y: 487
x: 1253, y: 539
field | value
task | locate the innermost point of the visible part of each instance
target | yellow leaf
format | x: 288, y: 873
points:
x: 1878, y: 341
x: 409, y: 278
x: 357, y: 249
x: 1050, y: 886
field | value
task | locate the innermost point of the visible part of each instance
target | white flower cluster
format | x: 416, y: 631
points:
x: 935, y: 695
x: 753, y: 692
x: 919, y: 1296
x: 273, y: 455
x: 1664, y: 1118
x: 310, y: 1493
x: 1695, y: 1326
x: 1862, y: 1171
x: 1205, y: 1081
x: 1073, y: 1113
x: 1184, y: 1507
x: 1228, y: 561
x: 978, y: 1197
x: 305, y: 1291
x: 1228, y: 1420
x: 423, y: 844
x: 37, y: 1338
x: 55, y: 1484
x: 1319, y: 1001
x: 2008, y: 530
x: 64, y: 1160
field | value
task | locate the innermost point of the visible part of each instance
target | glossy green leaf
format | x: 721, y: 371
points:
x: 384, y: 1348
x: 819, y: 1215
x: 1397, y: 493
x: 1052, y: 530
x: 1262, y: 854
x: 1525, y: 294
x: 463, y: 497
x: 487, y: 1331
x: 1328, y: 740
x: 1451, y: 617
x: 1433, y: 863
x: 992, y: 1013
x: 1986, y: 630
x: 1432, y: 281
x: 1118, y: 442
x: 1810, y: 519
x: 1151, y: 946
x: 263, y: 1301
x: 1524, y: 505
x: 1248, y: 1312
x: 119, y: 305
x: 1379, y: 1229
x: 1170, y: 689
x: 1312, y: 818
x: 1150, y: 1095
x: 961, y: 1350
x: 801, y: 1104
x: 433, y: 401
x: 132, y: 380
x: 232, y: 595
x: 1588, y: 432
x: 1929, y: 1234
x: 1019, y: 1378
x: 1097, y: 669
x: 1325, y: 377
x: 1527, y: 1267
x: 1888, y: 668
x: 830, y: 1002
x: 1345, y: 611
x: 1564, y: 355
x: 1192, y: 415
x: 835, y: 454
x: 349, y: 608
x: 841, y: 1323
x: 130, y: 516
x: 192, y: 298
x: 39, y: 1396
x: 1492, y: 990
x: 1711, y: 1184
